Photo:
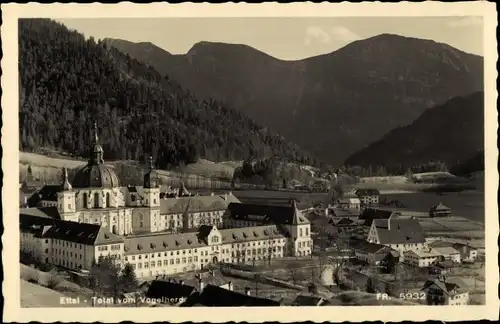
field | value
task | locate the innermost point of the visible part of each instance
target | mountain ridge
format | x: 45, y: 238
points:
x: 452, y: 132
x: 333, y: 104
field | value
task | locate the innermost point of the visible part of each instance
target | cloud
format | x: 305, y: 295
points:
x: 315, y: 33
x: 466, y: 21
x: 344, y: 34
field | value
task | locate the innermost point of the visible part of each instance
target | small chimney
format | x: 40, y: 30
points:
x: 211, y: 194
x: 230, y: 193
x: 247, y: 291
x: 202, y: 284
x: 181, y: 282
x: 230, y: 285
x: 225, y: 196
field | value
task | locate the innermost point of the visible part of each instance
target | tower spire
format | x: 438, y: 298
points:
x: 65, y: 182
x: 96, y: 136
x: 96, y: 155
x: 151, y: 165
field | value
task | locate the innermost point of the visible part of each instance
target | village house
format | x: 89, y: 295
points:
x: 467, y: 252
x: 368, y: 196
x: 446, y: 291
x: 400, y: 234
x: 422, y: 258
x: 448, y: 253
x: 439, y: 210
x: 374, y: 254
x: 348, y: 203
x: 442, y: 267
x: 344, y: 226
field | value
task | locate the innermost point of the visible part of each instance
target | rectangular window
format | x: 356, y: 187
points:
x: 177, y: 261
x: 195, y: 258
x: 153, y: 264
x: 165, y: 262
x: 146, y: 265
x: 171, y: 261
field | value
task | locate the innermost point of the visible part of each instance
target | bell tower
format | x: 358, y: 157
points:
x: 152, y: 196
x: 66, y: 199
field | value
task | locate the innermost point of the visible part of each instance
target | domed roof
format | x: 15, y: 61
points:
x: 95, y: 174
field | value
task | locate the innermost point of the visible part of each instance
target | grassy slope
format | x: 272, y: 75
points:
x: 51, y: 166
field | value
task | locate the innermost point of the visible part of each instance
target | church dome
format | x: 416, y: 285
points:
x: 95, y: 174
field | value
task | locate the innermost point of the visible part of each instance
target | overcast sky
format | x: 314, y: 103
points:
x: 283, y: 38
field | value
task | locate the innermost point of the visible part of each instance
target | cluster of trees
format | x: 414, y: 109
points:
x: 68, y: 82
x: 273, y: 171
x: 106, y: 278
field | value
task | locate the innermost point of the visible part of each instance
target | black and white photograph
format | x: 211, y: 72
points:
x: 253, y: 161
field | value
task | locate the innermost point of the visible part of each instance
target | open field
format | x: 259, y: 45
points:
x: 209, y: 169
x: 33, y: 295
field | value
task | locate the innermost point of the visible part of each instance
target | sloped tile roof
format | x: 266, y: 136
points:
x: 214, y: 296
x: 170, y: 290
x: 440, y: 207
x: 48, y: 212
x: 195, y: 204
x: 283, y: 215
x: 88, y: 234
x: 448, y: 285
x: 367, y: 192
x: 400, y: 231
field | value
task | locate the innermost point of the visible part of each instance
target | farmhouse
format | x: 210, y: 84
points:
x: 422, y: 258
x: 440, y: 210
x: 400, y: 234
x: 368, y: 197
x: 446, y: 291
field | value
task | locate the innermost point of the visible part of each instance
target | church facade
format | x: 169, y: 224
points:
x: 75, y: 223
x: 95, y: 196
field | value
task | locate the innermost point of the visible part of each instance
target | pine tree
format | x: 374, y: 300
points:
x: 128, y: 279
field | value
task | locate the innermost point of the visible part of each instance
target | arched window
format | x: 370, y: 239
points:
x: 96, y: 200
x: 85, y: 200
x: 108, y: 200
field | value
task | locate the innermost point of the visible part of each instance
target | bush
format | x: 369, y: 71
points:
x: 53, y: 281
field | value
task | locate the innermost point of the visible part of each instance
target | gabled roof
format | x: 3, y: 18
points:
x: 399, y: 231
x: 282, y: 215
x: 345, y: 222
x: 369, y: 214
x: 48, y: 212
x: 194, y: 204
x: 372, y: 248
x: 446, y: 250
x: 170, y: 290
x: 367, y: 192
x: 459, y: 246
x: 214, y: 296
x: 341, y: 212
x: 87, y: 234
x: 440, y: 207
x: 47, y: 192
x: 448, y: 285
x: 436, y: 244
